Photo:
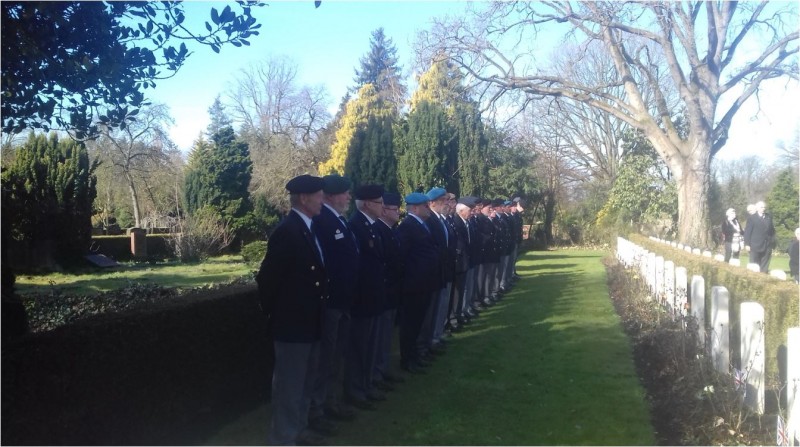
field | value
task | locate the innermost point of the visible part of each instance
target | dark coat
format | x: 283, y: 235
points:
x: 794, y: 257
x: 370, y: 297
x: 759, y: 233
x: 420, y: 256
x: 292, y: 283
x: 728, y: 229
x: 462, y: 245
x: 446, y: 246
x: 486, y: 237
x: 393, y: 262
x: 341, y: 257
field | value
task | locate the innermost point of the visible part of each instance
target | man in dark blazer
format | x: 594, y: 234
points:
x: 432, y: 334
x: 383, y: 376
x: 341, y: 253
x: 462, y: 284
x: 759, y: 235
x: 370, y: 299
x: 489, y: 255
x: 421, y: 276
x: 293, y: 288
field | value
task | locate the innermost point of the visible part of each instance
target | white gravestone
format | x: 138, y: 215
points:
x: 793, y: 385
x: 720, y: 258
x: 706, y: 254
x: 680, y: 246
x: 681, y: 281
x: 698, y: 306
x: 696, y: 251
x: 669, y: 286
x: 753, y: 267
x: 720, y: 329
x: 659, y: 277
x: 780, y: 274
x: 735, y: 262
x: 752, y: 353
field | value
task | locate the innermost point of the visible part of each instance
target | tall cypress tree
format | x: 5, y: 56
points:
x: 425, y: 155
x: 364, y: 144
x: 48, y: 193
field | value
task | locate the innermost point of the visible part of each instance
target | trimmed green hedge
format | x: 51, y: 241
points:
x: 119, y: 247
x: 166, y: 375
x: 779, y: 298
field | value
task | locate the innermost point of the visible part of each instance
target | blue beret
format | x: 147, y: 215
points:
x: 507, y: 202
x: 304, y: 184
x: 336, y: 184
x: 436, y: 192
x: 369, y: 192
x: 416, y: 198
x: 392, y: 199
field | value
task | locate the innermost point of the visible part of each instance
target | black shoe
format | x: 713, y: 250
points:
x: 412, y: 369
x: 361, y: 404
x: 383, y: 385
x: 323, y: 426
x: 308, y: 437
x: 340, y: 413
x: 376, y: 396
x: 391, y: 378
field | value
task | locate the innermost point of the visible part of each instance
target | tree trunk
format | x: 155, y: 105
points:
x: 693, y: 180
x: 135, y: 199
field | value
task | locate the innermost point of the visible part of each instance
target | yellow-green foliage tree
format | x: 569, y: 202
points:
x: 363, y: 148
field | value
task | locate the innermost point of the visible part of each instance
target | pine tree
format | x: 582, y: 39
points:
x: 219, y: 119
x: 364, y: 144
x: 219, y: 176
x: 48, y: 192
x: 782, y: 204
x: 379, y: 67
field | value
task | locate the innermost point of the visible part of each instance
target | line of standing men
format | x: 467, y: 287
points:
x: 333, y: 287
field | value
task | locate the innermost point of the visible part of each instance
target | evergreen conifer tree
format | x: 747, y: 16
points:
x: 379, y: 67
x: 48, y: 192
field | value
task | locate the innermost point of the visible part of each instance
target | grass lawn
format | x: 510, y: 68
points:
x: 548, y: 365
x: 172, y: 274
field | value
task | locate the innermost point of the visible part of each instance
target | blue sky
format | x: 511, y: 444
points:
x: 327, y: 43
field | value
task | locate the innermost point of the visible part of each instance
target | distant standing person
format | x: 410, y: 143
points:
x: 758, y: 235
x: 731, y: 235
x: 794, y: 256
x: 292, y: 289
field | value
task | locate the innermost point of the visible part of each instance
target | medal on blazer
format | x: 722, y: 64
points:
x: 338, y: 235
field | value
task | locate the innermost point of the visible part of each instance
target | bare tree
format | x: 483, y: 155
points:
x: 137, y: 150
x: 714, y: 50
x: 282, y: 121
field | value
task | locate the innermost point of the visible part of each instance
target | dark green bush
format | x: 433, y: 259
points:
x: 253, y: 253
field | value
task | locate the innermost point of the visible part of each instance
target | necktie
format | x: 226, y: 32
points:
x: 444, y: 227
x: 352, y: 236
x: 469, y: 238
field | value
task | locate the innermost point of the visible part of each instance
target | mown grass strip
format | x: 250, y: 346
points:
x: 548, y: 365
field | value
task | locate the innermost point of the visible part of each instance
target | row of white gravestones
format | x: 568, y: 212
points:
x: 775, y: 273
x: 752, y: 342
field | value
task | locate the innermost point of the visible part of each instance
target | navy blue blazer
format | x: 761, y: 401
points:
x: 486, y: 238
x: 759, y: 233
x: 462, y: 245
x: 393, y: 262
x: 292, y: 283
x: 420, y: 257
x: 445, y: 244
x: 341, y: 258
x: 370, y: 297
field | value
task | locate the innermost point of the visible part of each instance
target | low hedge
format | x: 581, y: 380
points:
x: 119, y: 247
x: 166, y: 375
x: 779, y: 298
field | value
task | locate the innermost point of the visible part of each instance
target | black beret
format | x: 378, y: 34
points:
x: 468, y: 201
x: 304, y: 184
x: 497, y: 202
x: 369, y: 192
x: 335, y: 184
x: 392, y: 199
